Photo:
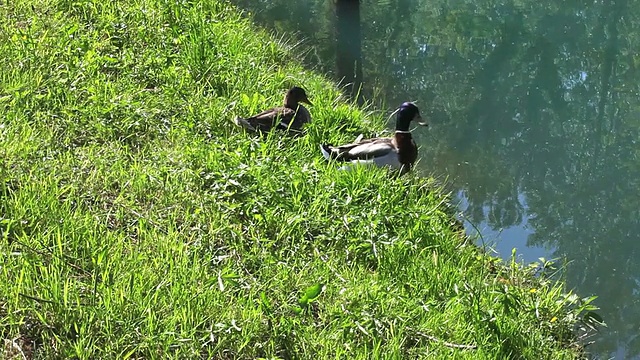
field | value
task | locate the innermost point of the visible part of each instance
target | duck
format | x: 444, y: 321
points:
x: 399, y: 152
x: 291, y: 116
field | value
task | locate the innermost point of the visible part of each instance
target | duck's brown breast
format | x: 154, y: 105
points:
x: 407, y: 149
x: 302, y: 116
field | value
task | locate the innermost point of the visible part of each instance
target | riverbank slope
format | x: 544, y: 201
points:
x: 138, y: 221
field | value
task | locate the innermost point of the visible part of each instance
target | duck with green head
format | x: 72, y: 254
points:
x: 398, y: 152
x: 291, y: 116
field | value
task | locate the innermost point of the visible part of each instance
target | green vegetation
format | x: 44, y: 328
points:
x: 137, y: 222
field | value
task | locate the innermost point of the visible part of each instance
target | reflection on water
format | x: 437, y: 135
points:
x: 515, y: 237
x: 535, y: 123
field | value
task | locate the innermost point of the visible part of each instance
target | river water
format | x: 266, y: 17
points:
x: 535, y: 119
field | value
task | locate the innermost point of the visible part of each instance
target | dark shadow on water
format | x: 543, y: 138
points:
x: 349, y: 47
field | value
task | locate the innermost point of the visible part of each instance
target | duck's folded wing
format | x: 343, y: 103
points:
x: 367, y: 149
x: 274, y: 113
x: 267, y: 119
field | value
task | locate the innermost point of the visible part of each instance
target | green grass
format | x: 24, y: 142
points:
x: 137, y: 221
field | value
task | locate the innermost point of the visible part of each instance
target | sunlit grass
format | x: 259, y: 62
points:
x: 138, y: 222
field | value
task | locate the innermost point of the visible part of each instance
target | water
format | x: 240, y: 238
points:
x: 535, y: 120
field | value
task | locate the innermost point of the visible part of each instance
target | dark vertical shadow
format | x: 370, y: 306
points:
x: 349, y: 46
x: 609, y: 62
x: 548, y: 77
x: 547, y: 81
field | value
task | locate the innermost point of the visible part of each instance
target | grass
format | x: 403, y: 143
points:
x: 137, y: 221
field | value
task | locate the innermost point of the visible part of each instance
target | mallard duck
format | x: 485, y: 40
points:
x: 291, y: 116
x: 398, y: 152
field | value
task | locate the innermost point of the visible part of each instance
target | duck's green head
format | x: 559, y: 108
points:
x: 406, y: 113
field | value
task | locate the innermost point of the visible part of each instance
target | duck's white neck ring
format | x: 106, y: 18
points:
x: 403, y: 132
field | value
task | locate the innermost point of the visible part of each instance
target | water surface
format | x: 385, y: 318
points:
x: 535, y: 120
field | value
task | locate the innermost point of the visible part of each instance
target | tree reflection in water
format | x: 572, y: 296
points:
x: 535, y: 119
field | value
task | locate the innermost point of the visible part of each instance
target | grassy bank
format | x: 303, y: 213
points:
x: 137, y: 221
